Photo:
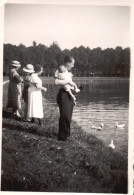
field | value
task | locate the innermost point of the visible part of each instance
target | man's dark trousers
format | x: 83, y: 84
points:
x: 66, y: 104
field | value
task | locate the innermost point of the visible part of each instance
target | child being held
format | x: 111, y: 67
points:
x: 64, y: 74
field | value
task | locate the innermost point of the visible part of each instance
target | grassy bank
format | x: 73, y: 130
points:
x: 33, y: 159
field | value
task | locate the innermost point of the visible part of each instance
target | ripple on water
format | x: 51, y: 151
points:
x: 101, y: 102
x: 91, y: 117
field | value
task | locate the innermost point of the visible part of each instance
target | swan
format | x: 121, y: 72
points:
x: 111, y: 145
x: 120, y: 126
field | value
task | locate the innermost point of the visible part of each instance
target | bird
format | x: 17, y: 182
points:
x: 120, y: 126
x: 93, y: 127
x: 98, y: 128
x: 111, y: 145
x: 102, y: 124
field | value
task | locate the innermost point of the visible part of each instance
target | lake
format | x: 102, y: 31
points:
x: 100, y: 102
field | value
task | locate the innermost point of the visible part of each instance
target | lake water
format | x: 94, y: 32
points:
x: 100, y: 102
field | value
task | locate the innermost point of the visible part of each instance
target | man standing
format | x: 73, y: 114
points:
x: 65, y: 101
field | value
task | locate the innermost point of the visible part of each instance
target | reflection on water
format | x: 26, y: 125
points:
x: 97, y: 103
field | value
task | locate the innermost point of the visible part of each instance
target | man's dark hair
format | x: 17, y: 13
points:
x: 37, y: 68
x: 68, y: 59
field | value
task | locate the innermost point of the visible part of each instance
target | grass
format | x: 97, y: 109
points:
x: 33, y: 159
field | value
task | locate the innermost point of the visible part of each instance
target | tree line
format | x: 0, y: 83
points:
x: 95, y: 62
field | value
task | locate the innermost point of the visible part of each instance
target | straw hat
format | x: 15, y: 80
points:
x: 16, y: 63
x: 29, y: 68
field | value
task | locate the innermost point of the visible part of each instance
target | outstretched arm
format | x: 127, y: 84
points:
x: 60, y: 82
x: 40, y: 87
x: 63, y: 82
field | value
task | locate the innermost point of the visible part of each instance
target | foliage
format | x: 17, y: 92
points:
x: 96, y: 62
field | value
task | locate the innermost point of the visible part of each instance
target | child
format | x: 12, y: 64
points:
x: 64, y: 74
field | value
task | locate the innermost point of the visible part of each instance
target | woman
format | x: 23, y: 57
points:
x: 35, y: 104
x: 65, y: 101
x: 28, y: 70
x: 14, y: 89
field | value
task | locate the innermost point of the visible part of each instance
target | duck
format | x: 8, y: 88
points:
x: 99, y: 128
x: 93, y: 127
x: 120, y: 126
x: 111, y: 145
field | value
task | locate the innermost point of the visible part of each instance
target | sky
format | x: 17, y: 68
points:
x: 68, y: 25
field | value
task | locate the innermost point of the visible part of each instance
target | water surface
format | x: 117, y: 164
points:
x: 100, y: 103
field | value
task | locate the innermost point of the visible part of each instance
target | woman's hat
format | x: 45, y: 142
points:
x: 29, y: 68
x: 16, y: 63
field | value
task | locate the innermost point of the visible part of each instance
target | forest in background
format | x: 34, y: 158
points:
x: 88, y: 62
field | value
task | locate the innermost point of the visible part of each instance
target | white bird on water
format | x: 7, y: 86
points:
x: 102, y: 124
x: 120, y: 126
x: 98, y: 128
x: 111, y: 145
x: 93, y: 127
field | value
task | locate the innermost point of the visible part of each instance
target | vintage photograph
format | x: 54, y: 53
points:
x: 65, y: 103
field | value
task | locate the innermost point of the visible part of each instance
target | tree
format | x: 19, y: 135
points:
x: 108, y: 62
x: 34, y: 44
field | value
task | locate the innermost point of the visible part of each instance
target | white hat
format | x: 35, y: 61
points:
x: 29, y: 68
x: 16, y: 63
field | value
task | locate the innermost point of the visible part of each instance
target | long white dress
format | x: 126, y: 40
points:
x: 35, y: 104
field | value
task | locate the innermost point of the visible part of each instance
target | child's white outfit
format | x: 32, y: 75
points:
x: 67, y: 76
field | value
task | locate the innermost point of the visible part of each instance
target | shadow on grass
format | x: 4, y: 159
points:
x: 14, y: 185
x: 13, y: 123
x: 11, y: 185
x: 10, y: 115
x: 6, y: 114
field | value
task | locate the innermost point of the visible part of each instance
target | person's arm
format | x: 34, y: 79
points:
x: 40, y: 87
x: 64, y: 82
x: 36, y: 83
x: 61, y: 82
x: 17, y: 78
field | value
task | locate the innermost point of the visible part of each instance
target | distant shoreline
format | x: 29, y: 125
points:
x: 93, y: 79
x: 89, y: 79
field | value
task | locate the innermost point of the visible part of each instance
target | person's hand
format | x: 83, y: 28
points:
x: 44, y: 89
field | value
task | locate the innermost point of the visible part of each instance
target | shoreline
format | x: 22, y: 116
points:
x: 85, y: 78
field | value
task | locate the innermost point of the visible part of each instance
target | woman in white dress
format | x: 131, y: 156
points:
x: 35, y: 104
